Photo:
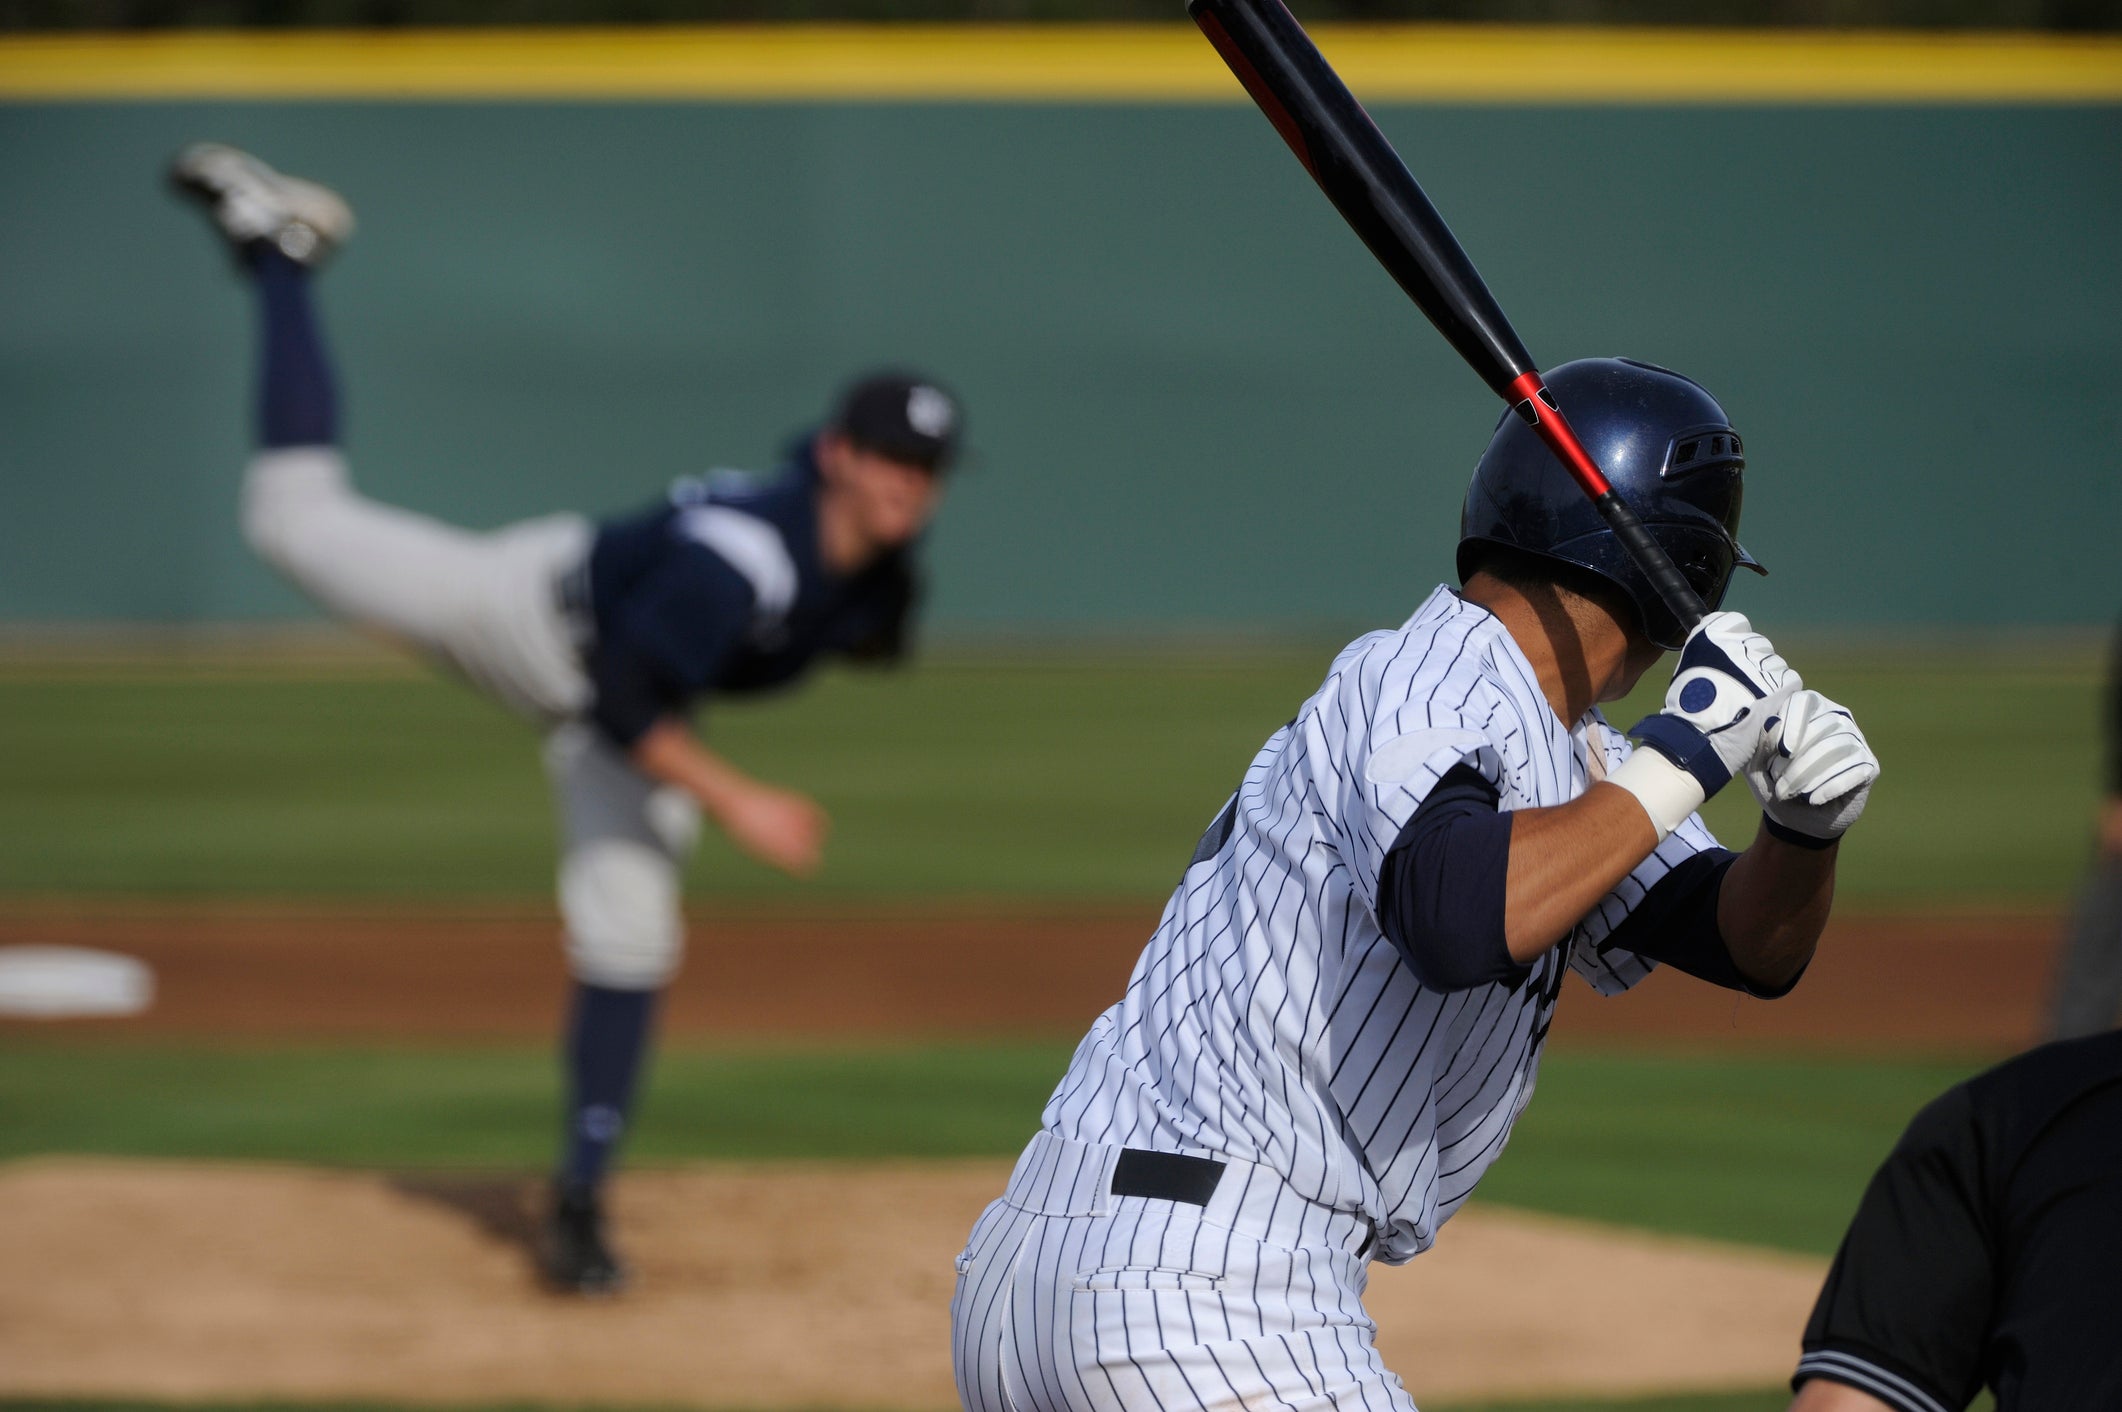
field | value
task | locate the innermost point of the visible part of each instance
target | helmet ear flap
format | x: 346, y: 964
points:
x: 1471, y: 552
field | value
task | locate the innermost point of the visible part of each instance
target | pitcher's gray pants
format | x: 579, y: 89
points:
x: 486, y: 606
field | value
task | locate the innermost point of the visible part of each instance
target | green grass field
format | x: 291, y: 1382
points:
x: 1063, y: 774
x: 1771, y: 1151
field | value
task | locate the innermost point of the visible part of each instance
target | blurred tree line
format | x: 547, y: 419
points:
x: 1918, y: 14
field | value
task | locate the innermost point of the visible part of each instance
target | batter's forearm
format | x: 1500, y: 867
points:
x: 1773, y: 906
x: 1564, y: 859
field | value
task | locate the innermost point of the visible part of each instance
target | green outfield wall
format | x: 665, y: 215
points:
x: 1195, y: 400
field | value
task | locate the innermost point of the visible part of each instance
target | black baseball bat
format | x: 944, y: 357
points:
x: 1376, y: 194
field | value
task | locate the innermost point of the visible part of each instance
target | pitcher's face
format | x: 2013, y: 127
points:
x: 890, y: 501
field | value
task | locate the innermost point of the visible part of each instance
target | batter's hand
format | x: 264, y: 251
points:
x: 779, y: 827
x: 1728, y: 686
x: 1817, y: 771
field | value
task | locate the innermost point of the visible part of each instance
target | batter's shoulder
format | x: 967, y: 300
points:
x: 1437, y: 670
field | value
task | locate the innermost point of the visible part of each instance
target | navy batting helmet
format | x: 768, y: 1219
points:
x: 1669, y: 451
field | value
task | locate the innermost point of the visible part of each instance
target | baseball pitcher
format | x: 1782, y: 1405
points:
x: 600, y: 635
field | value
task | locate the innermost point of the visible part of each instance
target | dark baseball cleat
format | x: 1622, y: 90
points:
x: 573, y: 1254
x: 249, y: 202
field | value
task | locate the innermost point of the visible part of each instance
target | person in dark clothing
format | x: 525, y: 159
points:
x: 602, y: 635
x: 1985, y: 1252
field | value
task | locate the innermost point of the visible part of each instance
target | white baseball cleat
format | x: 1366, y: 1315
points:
x: 250, y: 201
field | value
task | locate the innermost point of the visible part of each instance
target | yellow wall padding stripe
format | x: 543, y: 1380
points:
x: 1097, y: 63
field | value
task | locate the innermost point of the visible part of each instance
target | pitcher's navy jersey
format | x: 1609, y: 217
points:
x: 720, y: 588
x: 1269, y: 1020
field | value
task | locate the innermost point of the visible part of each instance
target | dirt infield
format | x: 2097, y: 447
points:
x: 232, y: 971
x: 338, y: 1285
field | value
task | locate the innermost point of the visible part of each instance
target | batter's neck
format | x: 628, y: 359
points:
x: 1578, y: 652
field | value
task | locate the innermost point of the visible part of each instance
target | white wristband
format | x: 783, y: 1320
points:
x: 1667, y: 793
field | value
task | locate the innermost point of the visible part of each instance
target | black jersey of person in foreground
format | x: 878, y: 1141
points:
x: 721, y: 589
x: 1988, y: 1248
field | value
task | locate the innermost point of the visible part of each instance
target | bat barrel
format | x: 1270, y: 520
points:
x: 1375, y: 193
x: 1356, y: 167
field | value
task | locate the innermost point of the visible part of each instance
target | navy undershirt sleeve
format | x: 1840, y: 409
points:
x: 1676, y: 924
x: 1441, y: 899
x: 665, y: 643
x: 1440, y: 891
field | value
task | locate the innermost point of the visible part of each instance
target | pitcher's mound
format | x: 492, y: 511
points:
x: 764, y: 1286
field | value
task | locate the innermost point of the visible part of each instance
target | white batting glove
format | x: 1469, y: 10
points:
x: 1816, y: 772
x: 1728, y: 686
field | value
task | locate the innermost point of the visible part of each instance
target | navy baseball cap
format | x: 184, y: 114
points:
x: 901, y: 415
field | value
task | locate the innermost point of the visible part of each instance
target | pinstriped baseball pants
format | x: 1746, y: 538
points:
x: 1071, y: 1299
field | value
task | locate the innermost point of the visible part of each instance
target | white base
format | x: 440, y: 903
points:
x: 57, y: 982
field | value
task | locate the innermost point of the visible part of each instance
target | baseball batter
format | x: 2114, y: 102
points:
x: 601, y: 635
x: 1340, y: 1015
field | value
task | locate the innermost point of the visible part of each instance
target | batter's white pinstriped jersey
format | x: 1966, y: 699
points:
x: 1270, y: 1021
